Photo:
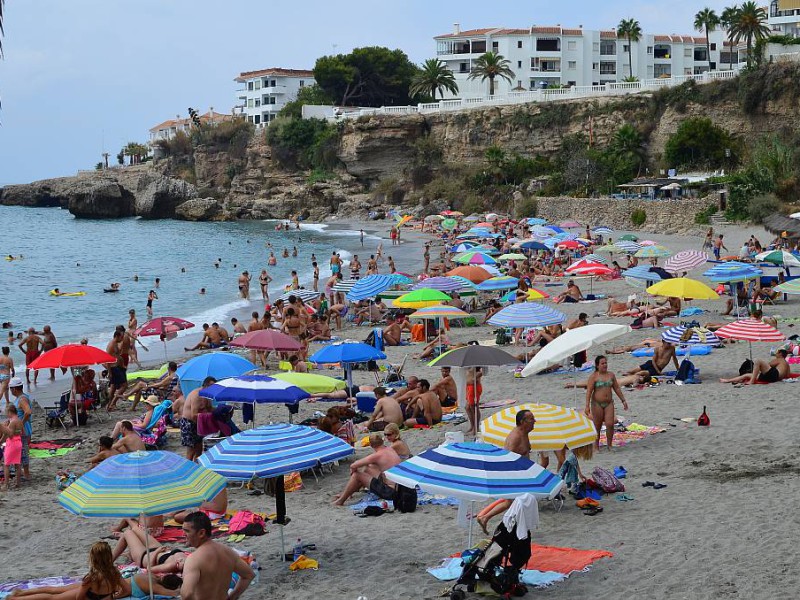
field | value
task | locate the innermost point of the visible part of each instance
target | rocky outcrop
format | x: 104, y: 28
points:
x: 380, y: 147
x: 44, y: 193
x: 159, y: 196
x: 199, y: 209
x: 99, y: 199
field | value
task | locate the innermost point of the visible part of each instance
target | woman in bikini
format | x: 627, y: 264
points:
x: 160, y: 559
x: 264, y: 280
x: 102, y: 582
x: 600, y: 401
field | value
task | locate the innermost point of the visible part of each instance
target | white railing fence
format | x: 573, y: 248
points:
x: 543, y: 95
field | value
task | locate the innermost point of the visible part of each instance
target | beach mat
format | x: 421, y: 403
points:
x: 563, y: 560
x: 423, y: 498
x: 39, y: 453
x: 631, y: 433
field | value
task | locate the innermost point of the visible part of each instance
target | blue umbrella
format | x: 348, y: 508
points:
x: 554, y: 228
x: 218, y: 365
x: 700, y: 335
x: 498, y: 283
x: 443, y: 284
x: 542, y: 231
x: 533, y: 245
x: 370, y: 286
x: 527, y: 314
x: 643, y: 273
x: 347, y: 354
x: 463, y: 247
x: 536, y: 221
x: 254, y: 389
x: 475, y: 471
x: 732, y: 272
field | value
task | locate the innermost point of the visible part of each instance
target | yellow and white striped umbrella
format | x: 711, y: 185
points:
x: 556, y: 427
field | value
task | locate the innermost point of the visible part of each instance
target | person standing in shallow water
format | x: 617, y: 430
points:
x: 244, y: 285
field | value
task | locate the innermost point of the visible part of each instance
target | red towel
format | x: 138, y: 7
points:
x: 563, y: 560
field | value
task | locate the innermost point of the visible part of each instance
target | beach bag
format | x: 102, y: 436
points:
x: 747, y: 367
x: 247, y: 523
x: 418, y: 333
x: 607, y: 481
x: 703, y: 420
x: 686, y: 372
x: 405, y: 499
x: 500, y: 337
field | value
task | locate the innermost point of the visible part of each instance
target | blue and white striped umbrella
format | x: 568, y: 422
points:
x: 627, y: 246
x: 491, y: 269
x: 641, y: 272
x: 732, y: 272
x: 463, y: 247
x: 466, y: 283
x: 273, y: 450
x: 532, y: 245
x: 254, y: 389
x: 602, y: 230
x: 596, y: 258
x: 536, y: 221
x: 527, y: 314
x: 700, y: 335
x: 370, y: 286
x: 443, y: 284
x: 306, y: 295
x: 345, y: 285
x: 475, y: 471
x: 542, y: 231
x: 504, y: 282
x: 554, y: 228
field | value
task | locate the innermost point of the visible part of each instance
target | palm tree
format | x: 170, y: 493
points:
x: 433, y: 77
x: 751, y: 23
x: 632, y: 31
x: 627, y: 143
x: 491, y: 65
x: 706, y: 20
x: 730, y: 16
x: 1, y: 27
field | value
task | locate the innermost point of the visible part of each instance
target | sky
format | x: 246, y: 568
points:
x: 83, y: 76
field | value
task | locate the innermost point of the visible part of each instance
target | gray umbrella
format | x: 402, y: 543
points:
x: 474, y: 356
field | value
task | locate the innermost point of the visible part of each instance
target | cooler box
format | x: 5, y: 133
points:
x: 366, y: 401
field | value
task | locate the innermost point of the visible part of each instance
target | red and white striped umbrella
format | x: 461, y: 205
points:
x: 685, y: 260
x: 591, y: 269
x: 750, y: 330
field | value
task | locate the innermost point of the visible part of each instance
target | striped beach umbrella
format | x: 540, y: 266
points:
x: 466, y: 283
x: 306, y: 295
x: 254, y: 389
x: 556, y: 427
x: 533, y: 294
x: 732, y: 272
x: 779, y: 257
x: 602, y: 230
x: 439, y: 312
x: 542, y: 231
x: 475, y: 471
x: 596, y: 258
x: 610, y: 248
x: 463, y: 247
x: 627, y: 246
x: 370, y: 286
x: 474, y: 257
x: 527, y: 314
x: 421, y: 298
x: 750, y: 330
x: 652, y: 252
x: 472, y: 219
x: 554, y: 228
x: 504, y: 282
x: 141, y: 483
x: 345, y: 285
x: 641, y: 273
x: 443, y: 284
x: 789, y: 287
x: 685, y: 260
x: 682, y: 335
x: 488, y: 249
x: 272, y: 451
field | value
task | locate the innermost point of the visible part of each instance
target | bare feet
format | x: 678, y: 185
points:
x: 482, y: 521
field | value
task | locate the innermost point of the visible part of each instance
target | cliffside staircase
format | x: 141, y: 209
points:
x: 718, y: 219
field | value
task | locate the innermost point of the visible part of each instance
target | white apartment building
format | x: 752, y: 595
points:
x: 547, y: 56
x: 266, y: 92
x: 784, y: 17
x: 170, y: 127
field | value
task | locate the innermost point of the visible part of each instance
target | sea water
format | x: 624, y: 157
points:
x: 83, y: 255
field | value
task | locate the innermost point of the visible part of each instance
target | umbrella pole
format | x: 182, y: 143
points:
x: 74, y: 399
x: 280, y: 509
x: 165, y: 348
x: 143, y: 521
x: 471, y: 519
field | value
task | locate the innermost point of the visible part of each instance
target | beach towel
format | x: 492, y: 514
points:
x: 423, y: 498
x: 56, y: 444
x: 632, y: 433
x: 27, y: 584
x: 40, y: 453
x: 496, y: 403
x: 562, y: 371
x: 563, y: 560
x: 757, y: 382
x: 699, y: 350
x: 692, y: 311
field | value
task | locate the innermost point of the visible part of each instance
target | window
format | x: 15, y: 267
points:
x: 258, y: 84
x: 608, y: 68
x: 608, y: 48
x: 687, y: 52
x: 463, y: 67
x: 265, y: 82
x: 258, y: 102
x: 272, y: 83
x: 662, y: 51
x: 302, y: 83
x: 713, y: 46
x: 249, y: 86
x: 649, y: 49
x: 662, y: 71
x: 596, y: 46
x: 519, y: 43
x: 548, y: 45
x: 519, y: 64
x: 249, y: 103
x: 595, y: 66
x: 257, y: 119
x: 495, y: 46
x: 625, y: 47
x: 571, y: 83
x: 573, y: 45
x: 572, y: 65
x: 272, y: 99
x: 700, y: 54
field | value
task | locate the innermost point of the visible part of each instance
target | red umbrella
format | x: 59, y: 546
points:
x: 163, y: 326
x: 750, y: 330
x: 570, y: 244
x: 72, y: 355
x: 267, y: 339
x: 582, y: 264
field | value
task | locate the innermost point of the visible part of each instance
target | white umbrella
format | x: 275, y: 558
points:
x: 795, y: 215
x: 572, y: 342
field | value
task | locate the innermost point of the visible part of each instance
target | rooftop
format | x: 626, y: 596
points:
x: 558, y: 30
x: 274, y: 71
x: 209, y: 117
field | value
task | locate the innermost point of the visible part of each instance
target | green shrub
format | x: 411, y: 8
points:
x: 303, y: 143
x: 762, y: 206
x: 703, y: 217
x: 698, y: 142
x: 427, y: 152
x: 178, y: 145
x: 472, y: 204
x: 638, y: 217
x: 526, y: 208
x: 318, y: 176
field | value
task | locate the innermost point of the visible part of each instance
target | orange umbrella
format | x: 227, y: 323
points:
x: 473, y: 273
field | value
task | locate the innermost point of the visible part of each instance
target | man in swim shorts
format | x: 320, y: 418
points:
x: 445, y: 388
x: 427, y: 409
x: 474, y: 391
x: 194, y: 405
x: 661, y: 357
x: 765, y: 372
x: 31, y: 346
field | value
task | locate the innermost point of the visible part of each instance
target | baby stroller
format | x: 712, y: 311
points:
x: 498, y: 564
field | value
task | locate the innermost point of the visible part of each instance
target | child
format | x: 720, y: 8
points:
x: 570, y: 471
x: 12, y: 455
x: 104, y: 443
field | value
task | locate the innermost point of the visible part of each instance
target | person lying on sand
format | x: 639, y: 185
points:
x: 765, y: 372
x: 624, y: 381
x: 158, y: 560
x: 646, y: 343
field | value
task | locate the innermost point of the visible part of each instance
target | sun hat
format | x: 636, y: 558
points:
x: 15, y: 382
x: 152, y: 400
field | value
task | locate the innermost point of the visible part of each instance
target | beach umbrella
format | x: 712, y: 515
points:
x: 311, y: 382
x: 443, y: 284
x: 272, y: 451
x: 474, y: 257
x: 466, y: 283
x: 554, y: 228
x: 542, y: 231
x: 72, y: 355
x: 642, y: 273
x: 218, y: 365
x: 684, y: 288
x: 533, y: 294
x: 370, y: 286
x: 536, y: 221
x: 596, y: 258
x: 432, y: 218
x: 556, y: 427
x: 683, y: 335
x: 492, y: 270
x: 468, y: 235
x: 512, y: 256
x: 569, y: 244
x: 628, y: 237
x: 344, y: 285
x: 602, y: 230
x: 686, y: 260
x: 779, y: 257
x: 267, y: 339
x: 569, y: 224
x: 473, y: 273
x: 732, y: 272
x: 306, y: 295
x: 141, y: 484
x: 627, y: 246
x: 463, y: 247
x: 254, y: 389
x: 610, y: 248
x: 593, y: 269
x: 583, y: 262
x: 475, y: 471
x: 441, y: 311
x: 570, y: 343
x: 472, y: 219
x: 474, y: 356
x: 449, y: 224
x: 750, y: 330
x: 504, y: 282
x: 421, y: 298
x: 647, y: 243
x: 487, y: 249
x: 532, y: 245
x: 484, y: 225
x: 527, y: 314
x: 652, y: 252
x: 789, y: 287
x: 347, y: 354
x: 163, y: 327
x: 452, y: 213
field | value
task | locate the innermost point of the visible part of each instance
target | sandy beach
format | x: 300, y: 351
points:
x: 721, y: 527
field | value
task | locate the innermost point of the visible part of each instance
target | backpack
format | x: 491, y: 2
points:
x: 747, y: 367
x: 686, y: 372
x: 247, y: 523
x: 405, y: 499
x: 607, y: 481
x: 501, y: 337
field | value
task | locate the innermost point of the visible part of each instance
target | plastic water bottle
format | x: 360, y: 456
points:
x: 256, y: 568
x: 298, y: 549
